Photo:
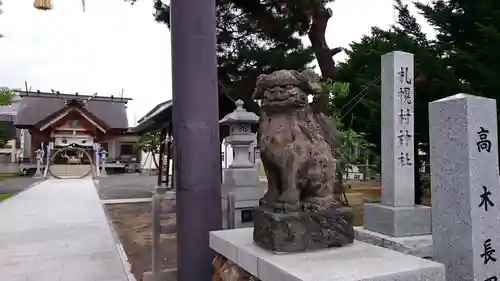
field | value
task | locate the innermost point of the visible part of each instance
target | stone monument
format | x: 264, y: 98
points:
x: 396, y: 222
x: 241, y: 178
x: 465, y: 187
x: 104, y: 155
x: 298, y: 211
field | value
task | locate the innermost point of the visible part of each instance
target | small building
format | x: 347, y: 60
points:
x: 77, y: 121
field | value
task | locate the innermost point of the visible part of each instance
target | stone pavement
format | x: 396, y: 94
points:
x: 57, y: 231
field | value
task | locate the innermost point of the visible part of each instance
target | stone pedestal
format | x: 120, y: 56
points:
x: 302, y: 231
x: 355, y: 262
x: 417, y: 245
x: 246, y: 189
x: 397, y: 216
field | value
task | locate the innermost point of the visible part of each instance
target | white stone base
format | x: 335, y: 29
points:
x: 418, y: 245
x: 357, y: 262
x: 397, y: 221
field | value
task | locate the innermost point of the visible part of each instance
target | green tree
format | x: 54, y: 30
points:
x: 6, y: 95
x: 150, y: 143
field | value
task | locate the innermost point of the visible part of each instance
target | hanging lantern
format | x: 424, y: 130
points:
x: 43, y: 5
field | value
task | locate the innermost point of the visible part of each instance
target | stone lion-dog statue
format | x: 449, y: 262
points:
x: 297, y: 149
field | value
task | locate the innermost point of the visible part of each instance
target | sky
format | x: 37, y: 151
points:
x: 114, y: 46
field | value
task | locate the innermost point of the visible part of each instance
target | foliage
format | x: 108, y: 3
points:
x: 425, y: 183
x: 333, y: 92
x: 353, y: 144
x: 150, y: 143
x: 6, y: 96
x: 468, y: 39
x: 354, y: 149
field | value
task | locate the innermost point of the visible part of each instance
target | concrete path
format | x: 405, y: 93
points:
x: 57, y: 231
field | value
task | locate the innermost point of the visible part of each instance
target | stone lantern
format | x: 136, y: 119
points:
x: 240, y: 134
x: 241, y: 189
x: 104, y: 156
x: 39, y: 160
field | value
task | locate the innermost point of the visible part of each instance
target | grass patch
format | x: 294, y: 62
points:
x: 262, y: 173
x: 4, y: 196
x: 372, y: 198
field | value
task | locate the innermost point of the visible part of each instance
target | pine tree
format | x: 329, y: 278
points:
x: 468, y: 39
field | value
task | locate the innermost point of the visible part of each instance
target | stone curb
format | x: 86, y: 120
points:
x: 119, y: 246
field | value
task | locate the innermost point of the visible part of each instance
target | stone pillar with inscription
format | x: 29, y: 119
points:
x: 396, y: 222
x: 241, y: 179
x: 465, y: 187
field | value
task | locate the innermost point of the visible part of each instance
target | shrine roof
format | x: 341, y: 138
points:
x: 37, y: 106
x: 161, y: 114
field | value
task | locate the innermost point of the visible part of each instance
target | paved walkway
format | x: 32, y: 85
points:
x: 57, y: 231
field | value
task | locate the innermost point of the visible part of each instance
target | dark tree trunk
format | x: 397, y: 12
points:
x: 324, y: 55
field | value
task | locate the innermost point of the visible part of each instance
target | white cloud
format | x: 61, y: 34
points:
x: 114, y: 45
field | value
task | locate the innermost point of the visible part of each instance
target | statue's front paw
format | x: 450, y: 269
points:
x: 316, y: 204
x: 284, y: 207
x: 311, y: 206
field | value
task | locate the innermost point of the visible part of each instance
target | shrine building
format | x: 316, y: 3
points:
x: 53, y: 120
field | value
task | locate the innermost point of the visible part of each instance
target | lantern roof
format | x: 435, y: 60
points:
x: 240, y: 115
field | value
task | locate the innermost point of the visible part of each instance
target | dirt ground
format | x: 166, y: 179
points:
x: 359, y: 191
x: 132, y: 222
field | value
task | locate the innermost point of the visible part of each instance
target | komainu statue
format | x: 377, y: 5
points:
x: 298, y: 150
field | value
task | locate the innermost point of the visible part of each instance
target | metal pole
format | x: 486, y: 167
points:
x: 196, y: 134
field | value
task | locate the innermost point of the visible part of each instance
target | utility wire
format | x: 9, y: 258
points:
x: 365, y: 91
x: 359, y: 94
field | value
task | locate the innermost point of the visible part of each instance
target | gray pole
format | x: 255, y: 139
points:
x: 196, y: 134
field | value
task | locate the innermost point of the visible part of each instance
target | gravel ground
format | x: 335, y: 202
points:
x: 16, y: 184
x: 126, y: 186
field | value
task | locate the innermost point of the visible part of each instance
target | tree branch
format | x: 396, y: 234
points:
x: 324, y: 55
